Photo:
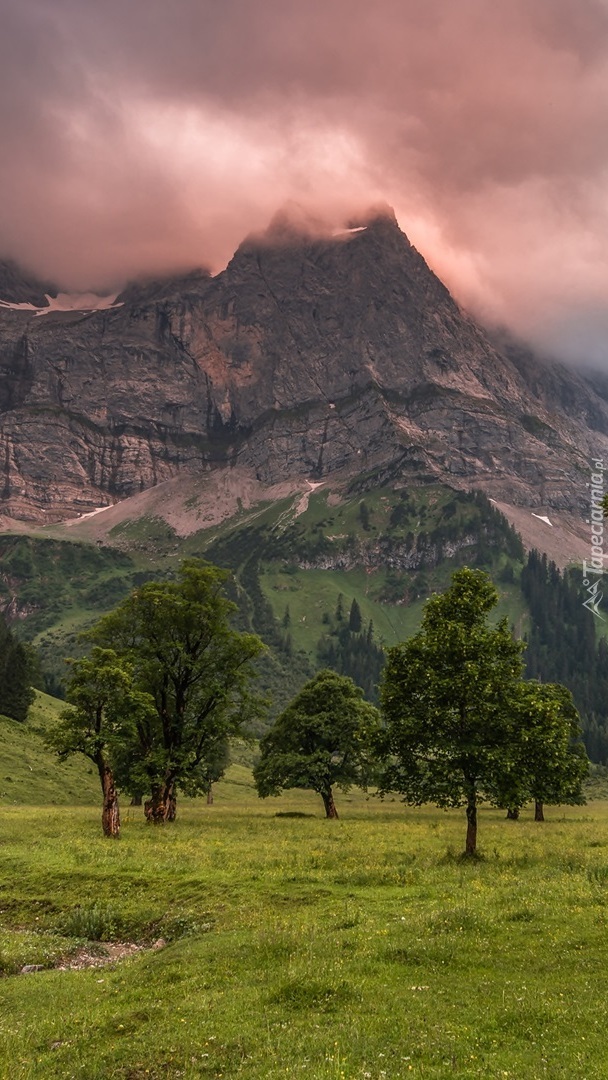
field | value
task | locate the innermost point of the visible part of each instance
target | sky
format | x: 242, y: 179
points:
x: 145, y: 136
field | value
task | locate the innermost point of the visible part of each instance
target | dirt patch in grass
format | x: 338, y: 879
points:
x: 96, y: 955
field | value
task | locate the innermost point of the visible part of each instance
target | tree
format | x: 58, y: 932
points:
x: 322, y: 739
x: 198, y: 672
x: 354, y: 618
x: 104, y: 706
x: 214, y: 768
x: 17, y: 665
x: 449, y: 698
x: 563, y: 644
x: 352, y: 653
x: 550, y: 763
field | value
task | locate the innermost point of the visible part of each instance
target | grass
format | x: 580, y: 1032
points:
x: 311, y: 593
x: 31, y: 774
x: 150, y: 534
x: 362, y: 948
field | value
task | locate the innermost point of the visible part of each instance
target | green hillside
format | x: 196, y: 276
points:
x: 387, y: 549
x: 327, y: 578
x: 57, y: 588
x: 32, y: 775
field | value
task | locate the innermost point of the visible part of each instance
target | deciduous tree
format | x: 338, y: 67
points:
x: 198, y: 672
x: 549, y: 762
x: 103, y: 713
x: 323, y: 739
x: 449, y: 696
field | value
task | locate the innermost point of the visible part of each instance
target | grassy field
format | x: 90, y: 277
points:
x: 297, y: 947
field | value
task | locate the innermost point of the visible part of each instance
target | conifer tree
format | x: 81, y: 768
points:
x: 354, y: 618
x: 16, y: 674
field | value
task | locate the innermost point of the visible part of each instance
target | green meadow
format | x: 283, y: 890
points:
x: 298, y: 947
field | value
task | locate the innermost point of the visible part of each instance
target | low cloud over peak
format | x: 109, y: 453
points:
x: 147, y: 137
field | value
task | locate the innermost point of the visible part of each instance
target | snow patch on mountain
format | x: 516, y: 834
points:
x: 349, y: 232
x: 83, y: 303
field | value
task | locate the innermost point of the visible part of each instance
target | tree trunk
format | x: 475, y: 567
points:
x: 513, y: 813
x: 161, y: 806
x: 110, y: 814
x: 471, y: 844
x: 136, y: 800
x: 210, y: 795
x: 329, y: 804
x: 539, y: 810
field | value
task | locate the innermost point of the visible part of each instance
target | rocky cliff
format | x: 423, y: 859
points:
x: 307, y: 357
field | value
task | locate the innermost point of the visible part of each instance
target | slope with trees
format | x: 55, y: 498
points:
x: 57, y: 588
x: 564, y: 646
x: 350, y: 648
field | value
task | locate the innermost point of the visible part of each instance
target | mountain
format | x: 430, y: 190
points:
x: 309, y: 357
x: 19, y: 287
x: 319, y: 419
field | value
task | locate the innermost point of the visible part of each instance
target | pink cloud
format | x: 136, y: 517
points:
x: 150, y: 136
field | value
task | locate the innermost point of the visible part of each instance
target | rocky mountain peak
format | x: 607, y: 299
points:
x: 378, y: 214
x: 295, y: 225
x: 293, y: 222
x: 171, y: 287
x: 315, y: 354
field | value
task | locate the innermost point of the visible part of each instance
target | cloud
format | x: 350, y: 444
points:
x: 147, y: 136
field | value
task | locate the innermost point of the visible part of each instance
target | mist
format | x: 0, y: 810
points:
x: 148, y: 137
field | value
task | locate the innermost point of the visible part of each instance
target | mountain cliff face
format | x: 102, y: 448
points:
x: 306, y: 358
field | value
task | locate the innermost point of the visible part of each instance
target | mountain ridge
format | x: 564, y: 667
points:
x: 309, y: 357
